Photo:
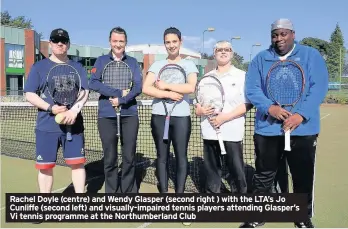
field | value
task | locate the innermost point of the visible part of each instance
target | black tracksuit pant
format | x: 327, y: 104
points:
x: 108, y: 134
x: 269, y: 151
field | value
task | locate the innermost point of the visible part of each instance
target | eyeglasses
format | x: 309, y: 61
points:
x: 223, y: 50
x: 61, y: 40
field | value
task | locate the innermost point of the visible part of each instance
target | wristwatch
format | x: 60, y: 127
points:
x: 49, y: 109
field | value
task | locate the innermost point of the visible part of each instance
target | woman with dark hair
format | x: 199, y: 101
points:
x: 180, y: 121
x: 107, y: 122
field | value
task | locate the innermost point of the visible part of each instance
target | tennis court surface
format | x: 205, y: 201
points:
x: 19, y: 175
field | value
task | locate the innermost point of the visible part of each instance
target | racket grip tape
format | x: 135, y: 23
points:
x: 166, y: 128
x: 68, y: 133
x: 118, y: 124
x: 287, y: 141
x: 222, y: 145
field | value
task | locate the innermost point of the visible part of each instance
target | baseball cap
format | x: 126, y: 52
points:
x: 282, y: 23
x: 57, y: 33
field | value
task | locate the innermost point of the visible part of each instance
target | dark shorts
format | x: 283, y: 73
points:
x: 47, y: 145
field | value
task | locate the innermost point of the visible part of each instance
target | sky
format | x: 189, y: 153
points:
x: 89, y: 22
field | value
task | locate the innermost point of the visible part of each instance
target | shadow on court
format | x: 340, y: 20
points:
x: 197, y: 176
x: 95, y: 174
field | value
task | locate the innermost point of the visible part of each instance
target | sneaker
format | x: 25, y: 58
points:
x: 306, y: 224
x: 252, y: 225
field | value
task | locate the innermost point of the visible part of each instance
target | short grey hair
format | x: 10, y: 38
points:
x: 222, y: 43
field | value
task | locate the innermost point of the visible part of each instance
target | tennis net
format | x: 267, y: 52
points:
x: 18, y: 140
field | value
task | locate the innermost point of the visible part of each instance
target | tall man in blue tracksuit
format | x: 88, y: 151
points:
x: 303, y: 121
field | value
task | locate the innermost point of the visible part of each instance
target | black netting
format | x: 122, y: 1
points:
x: 18, y: 140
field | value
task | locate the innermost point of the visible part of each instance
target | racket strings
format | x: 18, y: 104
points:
x: 117, y: 75
x: 210, y: 93
x: 63, y: 84
x: 211, y: 98
x: 285, y: 84
x: 173, y: 76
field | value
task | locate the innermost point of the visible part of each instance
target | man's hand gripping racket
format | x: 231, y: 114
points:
x: 285, y: 86
x: 63, y: 84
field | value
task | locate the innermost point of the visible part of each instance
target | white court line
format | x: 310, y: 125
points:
x: 325, y: 116
x: 144, y: 225
x: 60, y: 189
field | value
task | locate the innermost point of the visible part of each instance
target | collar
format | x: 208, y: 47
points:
x: 221, y: 75
x: 124, y: 57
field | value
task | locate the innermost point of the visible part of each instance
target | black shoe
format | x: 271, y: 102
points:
x: 306, y: 224
x: 252, y: 225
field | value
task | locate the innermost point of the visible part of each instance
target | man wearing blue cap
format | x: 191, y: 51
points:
x: 303, y: 121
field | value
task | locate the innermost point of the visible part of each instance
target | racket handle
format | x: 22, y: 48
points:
x: 68, y: 132
x: 166, y: 128
x: 287, y: 141
x: 118, y: 124
x: 221, y: 142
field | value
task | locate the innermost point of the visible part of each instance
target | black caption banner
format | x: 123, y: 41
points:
x: 151, y: 207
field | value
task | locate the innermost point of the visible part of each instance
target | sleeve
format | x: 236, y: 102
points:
x: 191, y: 68
x: 318, y: 78
x: 137, y: 85
x: 96, y: 84
x: 154, y: 68
x: 84, y: 77
x: 254, y: 91
x: 243, y: 96
x: 32, y: 83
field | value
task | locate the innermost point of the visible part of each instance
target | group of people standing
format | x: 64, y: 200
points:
x: 243, y: 91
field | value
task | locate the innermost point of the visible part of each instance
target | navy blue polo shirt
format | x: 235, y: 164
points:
x: 36, y: 83
x: 127, y: 103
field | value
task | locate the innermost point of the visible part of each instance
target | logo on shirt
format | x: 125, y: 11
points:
x: 39, y: 158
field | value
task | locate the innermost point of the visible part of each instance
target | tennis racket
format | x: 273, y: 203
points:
x: 118, y: 75
x: 285, y: 85
x: 209, y: 92
x: 63, y: 84
x: 170, y: 74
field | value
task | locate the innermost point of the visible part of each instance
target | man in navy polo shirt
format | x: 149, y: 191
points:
x: 49, y: 134
x: 107, y: 122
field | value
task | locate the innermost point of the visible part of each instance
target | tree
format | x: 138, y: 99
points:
x: 206, y: 56
x: 321, y: 45
x: 237, y: 61
x: 5, y: 18
x: 335, y: 59
x: 345, y: 66
x: 18, y: 22
x: 245, y: 66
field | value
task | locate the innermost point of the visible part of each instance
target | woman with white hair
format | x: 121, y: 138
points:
x: 230, y: 121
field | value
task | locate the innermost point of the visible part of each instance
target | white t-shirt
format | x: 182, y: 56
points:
x: 288, y: 54
x: 233, y: 83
